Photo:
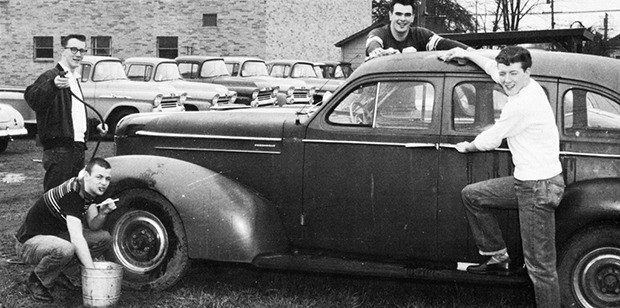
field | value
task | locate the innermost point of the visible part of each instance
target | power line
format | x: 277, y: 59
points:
x: 558, y: 12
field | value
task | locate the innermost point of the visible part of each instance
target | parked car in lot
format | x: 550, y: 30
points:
x: 303, y: 70
x: 200, y: 96
x: 369, y: 182
x: 250, y: 91
x: 334, y: 69
x: 113, y: 95
x: 14, y: 97
x: 294, y: 91
x: 11, y: 125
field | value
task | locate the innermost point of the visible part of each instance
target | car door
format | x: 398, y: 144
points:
x: 472, y: 104
x: 370, y: 169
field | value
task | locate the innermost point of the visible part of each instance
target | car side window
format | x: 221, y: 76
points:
x: 279, y: 71
x: 85, y: 72
x: 139, y: 72
x: 476, y: 105
x: 590, y: 114
x: 402, y: 104
x: 188, y: 70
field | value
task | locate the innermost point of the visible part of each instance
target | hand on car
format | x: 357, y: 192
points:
x: 457, y: 53
x: 463, y: 146
x: 107, y: 206
x: 380, y: 52
x: 102, y: 128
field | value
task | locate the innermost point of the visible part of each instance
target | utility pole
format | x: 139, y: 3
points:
x: 552, y: 14
x: 606, y: 26
x: 421, y: 13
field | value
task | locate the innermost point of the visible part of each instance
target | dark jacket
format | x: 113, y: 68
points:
x: 52, y: 106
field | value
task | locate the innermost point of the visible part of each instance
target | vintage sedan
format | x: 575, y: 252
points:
x: 369, y: 182
x: 200, y: 96
x: 303, y: 70
x: 113, y: 95
x: 11, y: 125
x: 294, y: 91
x: 250, y: 91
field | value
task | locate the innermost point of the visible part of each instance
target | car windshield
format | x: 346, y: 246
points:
x: 301, y: 70
x: 166, y: 72
x: 254, y: 68
x: 109, y: 70
x: 214, y: 68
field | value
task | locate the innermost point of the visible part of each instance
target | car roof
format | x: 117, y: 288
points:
x: 153, y: 60
x: 599, y: 70
x: 289, y: 61
x: 242, y: 59
x: 99, y: 58
x: 197, y: 58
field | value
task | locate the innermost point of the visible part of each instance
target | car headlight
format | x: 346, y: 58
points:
x: 290, y: 91
x: 215, y: 100
x: 183, y: 99
x: 157, y: 100
x: 233, y: 97
x: 275, y: 91
x: 254, y: 94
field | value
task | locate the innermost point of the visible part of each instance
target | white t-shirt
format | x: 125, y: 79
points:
x: 528, y: 124
x: 78, y: 110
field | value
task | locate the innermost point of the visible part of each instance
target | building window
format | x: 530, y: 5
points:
x: 43, y: 47
x: 167, y: 47
x: 101, y: 45
x: 209, y: 20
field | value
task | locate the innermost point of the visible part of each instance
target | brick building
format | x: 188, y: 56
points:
x: 30, y: 30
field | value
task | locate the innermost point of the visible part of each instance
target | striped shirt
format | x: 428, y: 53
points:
x: 48, y: 216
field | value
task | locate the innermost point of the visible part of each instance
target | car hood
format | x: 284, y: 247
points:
x: 230, y: 81
x: 253, y: 122
x: 321, y: 84
x: 10, y: 115
x: 283, y: 83
x: 129, y: 89
x: 198, y: 90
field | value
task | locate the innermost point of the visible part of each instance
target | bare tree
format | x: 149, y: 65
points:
x: 509, y: 13
x: 444, y: 15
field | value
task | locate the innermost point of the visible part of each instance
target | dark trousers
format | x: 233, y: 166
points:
x: 62, y: 163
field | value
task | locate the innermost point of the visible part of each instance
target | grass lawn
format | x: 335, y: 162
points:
x: 209, y: 284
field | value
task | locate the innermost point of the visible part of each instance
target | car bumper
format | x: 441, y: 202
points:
x: 13, y: 132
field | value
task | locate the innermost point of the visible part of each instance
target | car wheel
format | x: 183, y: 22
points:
x: 4, y: 143
x: 589, y: 269
x: 149, y: 240
x: 116, y: 117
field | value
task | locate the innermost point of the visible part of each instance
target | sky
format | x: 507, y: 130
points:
x: 591, y: 13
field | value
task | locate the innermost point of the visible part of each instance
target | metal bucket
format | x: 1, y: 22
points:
x: 101, y: 286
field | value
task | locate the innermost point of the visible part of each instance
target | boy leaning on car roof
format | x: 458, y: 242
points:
x: 536, y: 188
x: 399, y: 37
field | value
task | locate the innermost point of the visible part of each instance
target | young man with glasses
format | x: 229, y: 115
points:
x: 61, y: 118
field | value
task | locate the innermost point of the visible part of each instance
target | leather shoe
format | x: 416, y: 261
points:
x: 501, y: 268
x: 66, y: 283
x: 37, y: 290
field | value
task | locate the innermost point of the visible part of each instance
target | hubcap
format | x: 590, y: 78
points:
x: 596, y: 278
x: 140, y: 241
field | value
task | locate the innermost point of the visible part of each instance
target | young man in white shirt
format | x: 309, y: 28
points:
x: 528, y: 124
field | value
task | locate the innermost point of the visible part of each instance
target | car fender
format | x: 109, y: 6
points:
x: 140, y: 107
x: 223, y: 220
x: 587, y: 203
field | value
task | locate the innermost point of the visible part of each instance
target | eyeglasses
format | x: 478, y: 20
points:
x: 74, y: 50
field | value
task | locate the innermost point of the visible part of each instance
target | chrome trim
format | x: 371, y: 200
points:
x: 216, y: 150
x: 354, y: 142
x: 196, y: 136
x: 567, y: 153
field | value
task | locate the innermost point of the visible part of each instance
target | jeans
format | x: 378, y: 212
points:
x: 536, y: 202
x: 61, y: 164
x: 55, y: 254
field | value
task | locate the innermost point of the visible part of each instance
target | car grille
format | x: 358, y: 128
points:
x: 264, y: 95
x: 223, y: 100
x: 169, y: 102
x: 301, y: 93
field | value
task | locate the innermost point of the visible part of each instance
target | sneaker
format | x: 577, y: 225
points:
x: 38, y: 291
x: 66, y: 283
x: 496, y: 268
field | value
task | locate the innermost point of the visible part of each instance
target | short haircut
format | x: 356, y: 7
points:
x: 515, y: 54
x: 401, y: 2
x: 99, y: 162
x: 66, y: 39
